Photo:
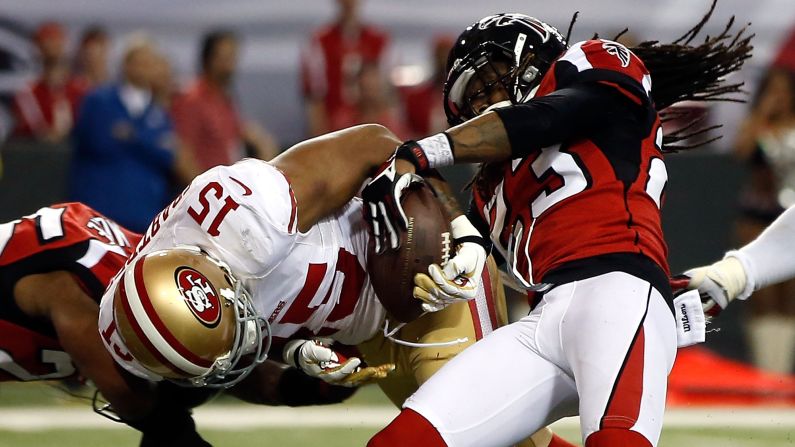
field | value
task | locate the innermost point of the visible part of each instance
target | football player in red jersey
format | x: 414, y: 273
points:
x: 570, y: 194
x: 54, y: 266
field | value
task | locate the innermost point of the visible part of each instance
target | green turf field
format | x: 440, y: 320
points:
x: 342, y: 437
x: 46, y: 405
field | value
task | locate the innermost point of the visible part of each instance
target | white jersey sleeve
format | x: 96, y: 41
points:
x: 770, y: 258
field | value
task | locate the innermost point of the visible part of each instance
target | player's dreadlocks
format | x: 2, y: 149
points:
x: 684, y: 72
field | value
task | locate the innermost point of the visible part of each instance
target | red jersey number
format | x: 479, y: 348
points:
x: 217, y: 192
x: 352, y: 279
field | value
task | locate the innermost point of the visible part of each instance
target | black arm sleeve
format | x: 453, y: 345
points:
x: 171, y: 423
x: 559, y: 116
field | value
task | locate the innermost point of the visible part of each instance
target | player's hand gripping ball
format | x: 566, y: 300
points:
x: 427, y: 240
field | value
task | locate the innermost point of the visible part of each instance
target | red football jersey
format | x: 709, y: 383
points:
x: 70, y: 237
x: 589, y: 196
x: 332, y: 60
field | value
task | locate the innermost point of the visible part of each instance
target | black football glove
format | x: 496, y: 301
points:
x: 382, y: 208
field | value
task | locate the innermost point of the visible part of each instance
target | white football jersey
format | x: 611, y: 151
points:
x: 305, y: 284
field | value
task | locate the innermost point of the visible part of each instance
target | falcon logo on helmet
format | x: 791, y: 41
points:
x: 184, y: 316
x: 617, y: 50
x: 200, y: 296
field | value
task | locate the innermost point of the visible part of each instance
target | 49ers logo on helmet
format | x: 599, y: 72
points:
x: 199, y: 295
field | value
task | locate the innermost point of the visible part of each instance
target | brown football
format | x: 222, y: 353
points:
x: 426, y: 241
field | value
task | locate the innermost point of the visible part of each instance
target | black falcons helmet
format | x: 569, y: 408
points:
x: 527, y: 45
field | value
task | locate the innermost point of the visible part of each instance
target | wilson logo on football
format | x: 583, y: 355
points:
x: 199, y: 295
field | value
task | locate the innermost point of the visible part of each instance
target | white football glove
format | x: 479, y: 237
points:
x: 719, y: 283
x: 317, y: 360
x: 460, y: 277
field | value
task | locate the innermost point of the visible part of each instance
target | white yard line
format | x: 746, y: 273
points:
x: 222, y: 417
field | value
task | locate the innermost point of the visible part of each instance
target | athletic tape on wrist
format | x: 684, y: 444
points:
x: 748, y: 270
x: 439, y: 150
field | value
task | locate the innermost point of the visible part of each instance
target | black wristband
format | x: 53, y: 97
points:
x: 413, y: 153
x: 297, y: 357
x: 480, y: 240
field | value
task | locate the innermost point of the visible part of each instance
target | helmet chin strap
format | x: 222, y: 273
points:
x: 531, y: 94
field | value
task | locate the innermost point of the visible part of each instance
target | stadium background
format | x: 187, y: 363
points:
x: 699, y: 212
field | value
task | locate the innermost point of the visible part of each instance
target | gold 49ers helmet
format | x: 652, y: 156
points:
x: 184, y: 316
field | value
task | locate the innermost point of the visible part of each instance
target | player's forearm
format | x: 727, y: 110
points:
x: 480, y: 140
x: 770, y: 258
x: 326, y: 172
x: 56, y: 297
x: 130, y: 397
x: 519, y: 130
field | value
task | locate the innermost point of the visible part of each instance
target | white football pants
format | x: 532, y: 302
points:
x: 601, y: 347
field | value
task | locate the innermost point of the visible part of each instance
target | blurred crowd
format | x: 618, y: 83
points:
x: 765, y: 143
x: 138, y: 137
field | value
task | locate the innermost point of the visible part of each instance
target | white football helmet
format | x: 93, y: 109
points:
x: 184, y: 316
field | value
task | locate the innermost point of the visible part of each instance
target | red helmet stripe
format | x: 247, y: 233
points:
x: 140, y: 333
x: 172, y: 341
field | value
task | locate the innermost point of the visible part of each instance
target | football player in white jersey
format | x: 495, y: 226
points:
x: 250, y: 254
x: 262, y: 252
x: 54, y: 267
x: 765, y: 261
x: 263, y: 257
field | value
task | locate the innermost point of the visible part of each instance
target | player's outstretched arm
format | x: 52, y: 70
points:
x: 769, y: 259
x: 765, y: 261
x: 327, y: 171
x: 56, y: 296
x: 516, y: 131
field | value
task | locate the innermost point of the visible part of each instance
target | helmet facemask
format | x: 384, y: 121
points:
x: 495, y: 66
x: 511, y: 52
